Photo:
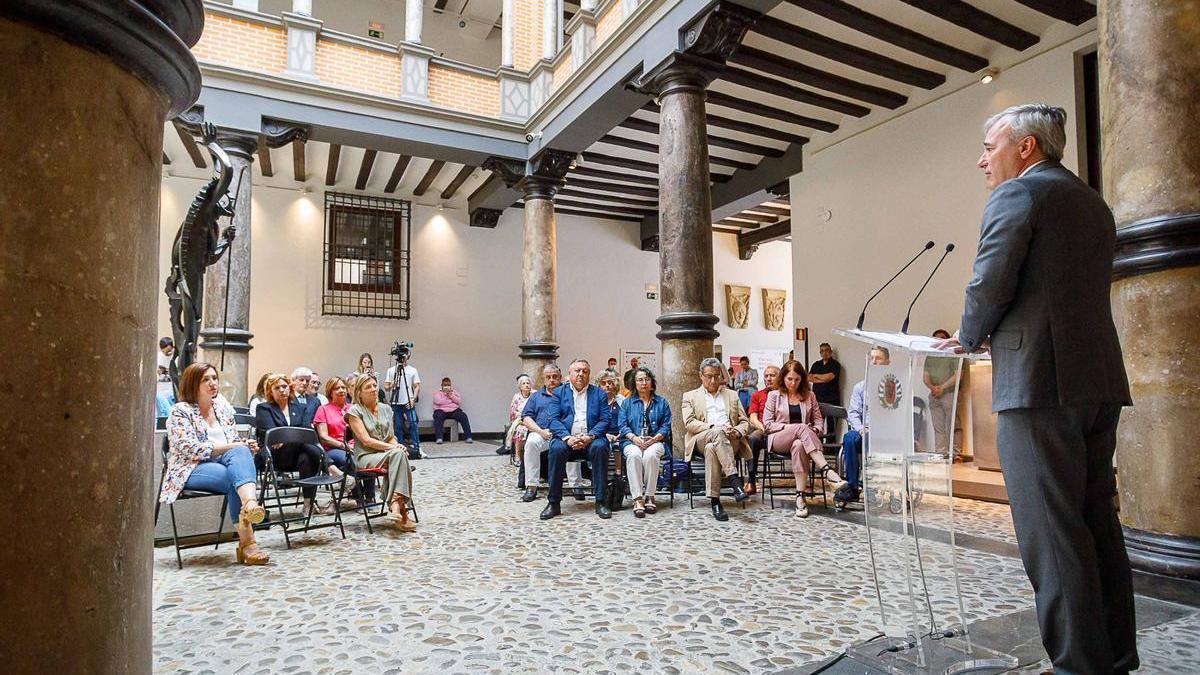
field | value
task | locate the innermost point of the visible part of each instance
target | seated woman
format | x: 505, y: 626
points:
x: 645, y: 427
x: 279, y: 410
x: 206, y: 454
x: 260, y: 394
x: 793, y: 422
x: 375, y: 445
x: 610, y: 382
x: 330, y: 424
x: 447, y: 404
x: 514, y: 435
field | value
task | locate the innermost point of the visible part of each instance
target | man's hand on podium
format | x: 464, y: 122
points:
x: 952, y: 344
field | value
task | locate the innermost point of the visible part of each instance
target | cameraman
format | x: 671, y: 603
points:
x: 403, y: 389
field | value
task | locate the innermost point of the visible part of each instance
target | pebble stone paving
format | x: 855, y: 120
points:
x: 484, y: 586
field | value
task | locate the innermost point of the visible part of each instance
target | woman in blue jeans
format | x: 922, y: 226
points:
x: 205, y: 453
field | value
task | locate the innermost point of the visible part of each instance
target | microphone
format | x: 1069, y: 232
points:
x: 904, y: 328
x: 863, y: 315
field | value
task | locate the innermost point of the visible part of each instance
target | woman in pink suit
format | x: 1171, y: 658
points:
x: 792, y: 417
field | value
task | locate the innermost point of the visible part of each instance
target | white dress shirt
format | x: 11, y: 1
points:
x: 579, y: 426
x: 1031, y: 166
x: 715, y: 411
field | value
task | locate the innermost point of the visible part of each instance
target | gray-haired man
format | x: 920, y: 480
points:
x: 1040, y: 295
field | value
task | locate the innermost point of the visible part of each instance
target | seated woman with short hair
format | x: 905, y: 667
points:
x: 330, y: 424
x: 280, y: 410
x: 645, y: 426
x: 375, y: 445
x: 204, y: 453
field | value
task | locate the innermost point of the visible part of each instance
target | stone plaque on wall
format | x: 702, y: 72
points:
x: 774, y: 304
x: 737, y: 303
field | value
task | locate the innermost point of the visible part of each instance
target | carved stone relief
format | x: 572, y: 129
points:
x: 737, y: 302
x: 774, y: 308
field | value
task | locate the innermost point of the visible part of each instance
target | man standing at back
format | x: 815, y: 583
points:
x: 1040, y: 296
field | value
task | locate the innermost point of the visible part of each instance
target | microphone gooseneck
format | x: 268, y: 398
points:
x: 862, y: 316
x: 904, y: 328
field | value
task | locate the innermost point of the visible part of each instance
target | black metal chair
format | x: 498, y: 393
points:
x: 242, y: 410
x: 696, y: 479
x: 278, y: 482
x: 186, y: 495
x: 371, y: 498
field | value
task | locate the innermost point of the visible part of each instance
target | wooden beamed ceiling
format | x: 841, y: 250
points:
x: 803, y: 69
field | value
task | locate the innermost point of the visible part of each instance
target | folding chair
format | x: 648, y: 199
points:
x: 278, y: 481
x: 696, y: 479
x: 187, y: 494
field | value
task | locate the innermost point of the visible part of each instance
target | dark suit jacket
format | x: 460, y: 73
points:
x: 310, y: 406
x: 599, y: 417
x: 267, y: 416
x: 1041, y: 292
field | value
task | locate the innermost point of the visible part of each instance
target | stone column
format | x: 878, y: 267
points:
x: 413, y: 19
x: 551, y: 15
x: 83, y: 105
x: 233, y: 337
x: 1150, y: 100
x: 539, y: 180
x: 507, y: 35
x: 687, y: 323
x: 302, y: 7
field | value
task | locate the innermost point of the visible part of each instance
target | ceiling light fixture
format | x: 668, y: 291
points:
x: 989, y: 75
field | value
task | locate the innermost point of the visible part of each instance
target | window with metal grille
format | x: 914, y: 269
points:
x: 367, y: 256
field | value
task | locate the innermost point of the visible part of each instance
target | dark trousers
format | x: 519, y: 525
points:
x: 439, y: 422
x: 303, y: 458
x: 852, y: 443
x: 1058, y: 470
x: 405, y: 426
x: 596, y: 453
x: 758, y: 444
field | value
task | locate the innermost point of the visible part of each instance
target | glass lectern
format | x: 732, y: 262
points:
x: 908, y: 453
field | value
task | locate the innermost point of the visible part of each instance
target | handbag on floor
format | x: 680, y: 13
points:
x: 614, y: 494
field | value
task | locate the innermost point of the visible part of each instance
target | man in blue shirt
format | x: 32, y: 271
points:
x: 579, y: 431
x: 540, y: 411
x: 858, y: 417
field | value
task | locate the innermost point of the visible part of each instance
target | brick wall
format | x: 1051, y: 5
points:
x: 527, y: 33
x: 563, y: 70
x: 607, y: 23
x: 462, y: 90
x: 243, y: 44
x: 356, y: 68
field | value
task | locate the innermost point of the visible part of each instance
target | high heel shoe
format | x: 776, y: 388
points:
x: 835, y: 481
x: 251, y: 554
x: 252, y: 516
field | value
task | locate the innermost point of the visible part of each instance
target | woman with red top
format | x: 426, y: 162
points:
x: 793, y: 422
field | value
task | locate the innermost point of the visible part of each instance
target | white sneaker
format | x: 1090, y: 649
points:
x: 801, y: 507
x: 422, y: 454
x: 438, y: 442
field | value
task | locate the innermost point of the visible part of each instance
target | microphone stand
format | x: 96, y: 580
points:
x: 904, y: 328
x: 863, y: 315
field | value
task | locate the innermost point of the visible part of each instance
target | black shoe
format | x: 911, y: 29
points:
x: 739, y: 492
x: 719, y: 512
x: 580, y: 495
x: 530, y: 495
x: 503, y: 450
x: 521, y: 478
x: 550, y: 511
x: 603, y: 511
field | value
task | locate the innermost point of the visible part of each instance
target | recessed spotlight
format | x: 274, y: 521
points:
x: 989, y: 75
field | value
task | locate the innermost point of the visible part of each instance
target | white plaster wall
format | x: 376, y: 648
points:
x: 770, y: 267
x: 466, y: 292
x: 897, y: 185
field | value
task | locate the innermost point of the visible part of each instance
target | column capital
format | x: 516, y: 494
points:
x: 238, y: 143
x: 278, y: 133
x: 151, y: 38
x: 488, y: 218
x: 704, y: 46
x: 539, y: 178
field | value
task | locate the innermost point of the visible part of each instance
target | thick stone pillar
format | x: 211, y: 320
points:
x: 687, y: 323
x: 217, y: 336
x: 86, y: 90
x: 539, y: 180
x: 1150, y: 101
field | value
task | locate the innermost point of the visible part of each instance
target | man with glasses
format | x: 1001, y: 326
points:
x: 716, y: 425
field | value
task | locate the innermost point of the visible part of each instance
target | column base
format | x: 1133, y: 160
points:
x: 688, y: 326
x: 1165, y: 554
x: 680, y: 374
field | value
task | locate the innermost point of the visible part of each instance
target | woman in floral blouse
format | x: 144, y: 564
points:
x: 205, y: 453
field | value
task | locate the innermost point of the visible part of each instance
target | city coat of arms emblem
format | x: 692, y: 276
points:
x: 890, y: 391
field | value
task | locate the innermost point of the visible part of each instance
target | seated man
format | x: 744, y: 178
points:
x: 301, y: 392
x: 758, y: 432
x: 858, y: 417
x: 447, y: 404
x: 537, y: 417
x: 714, y: 420
x: 579, y: 430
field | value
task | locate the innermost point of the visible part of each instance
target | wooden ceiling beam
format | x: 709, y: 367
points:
x: 331, y: 167
x: 1073, y: 12
x: 627, y: 210
x: 718, y: 141
x: 397, y: 173
x: 798, y: 72
x: 166, y: 160
x: 756, y: 217
x: 758, y: 109
x: 779, y: 211
x: 614, y: 175
x: 639, y: 165
x: 190, y: 145
x: 643, y: 146
x: 855, y: 57
x: 430, y: 175
x: 364, y: 169
x: 616, y: 187
x: 649, y: 203
x: 726, y: 230
x: 593, y: 214
x: 977, y: 21
x: 264, y: 158
x: 770, y: 85
x: 882, y: 29
x: 749, y: 241
x: 459, y: 178
x: 299, y: 163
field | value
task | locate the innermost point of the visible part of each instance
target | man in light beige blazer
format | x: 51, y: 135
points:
x: 716, y: 424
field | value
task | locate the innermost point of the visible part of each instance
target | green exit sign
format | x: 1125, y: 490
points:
x: 376, y: 34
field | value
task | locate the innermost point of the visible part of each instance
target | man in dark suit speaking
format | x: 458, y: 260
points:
x: 1040, y: 297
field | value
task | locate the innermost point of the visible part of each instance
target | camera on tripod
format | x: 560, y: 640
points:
x: 401, y: 350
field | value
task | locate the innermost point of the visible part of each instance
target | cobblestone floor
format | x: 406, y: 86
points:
x: 484, y: 586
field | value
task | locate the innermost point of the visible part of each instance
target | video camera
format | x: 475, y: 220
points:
x: 401, y: 350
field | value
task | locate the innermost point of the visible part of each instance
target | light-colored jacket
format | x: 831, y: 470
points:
x: 695, y: 420
x: 777, y: 414
x: 187, y: 438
